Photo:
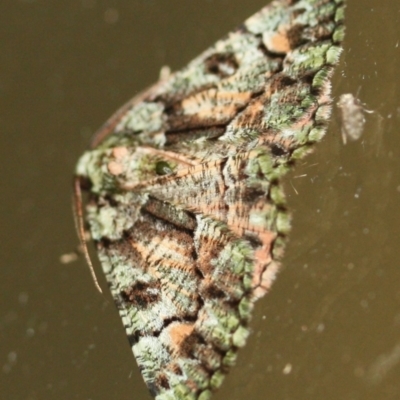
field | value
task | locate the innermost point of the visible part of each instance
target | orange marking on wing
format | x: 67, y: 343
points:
x: 277, y: 42
x: 171, y: 288
x: 143, y: 249
x: 155, y: 254
x: 115, y: 168
x: 120, y: 152
x: 264, y: 269
x: 214, y: 209
x: 208, y: 167
x: 217, y: 112
x: 236, y: 97
x: 147, y: 254
x: 178, y: 333
x: 267, y: 278
x: 212, y: 99
x: 251, y: 114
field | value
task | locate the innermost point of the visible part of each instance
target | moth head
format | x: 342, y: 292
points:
x: 116, y: 168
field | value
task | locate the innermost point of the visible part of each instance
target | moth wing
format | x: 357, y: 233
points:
x: 266, y: 81
x: 187, y: 209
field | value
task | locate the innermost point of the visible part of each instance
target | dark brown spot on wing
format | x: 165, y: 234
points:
x: 167, y: 212
x: 178, y: 137
x: 221, y: 64
x: 142, y: 294
x: 162, y: 381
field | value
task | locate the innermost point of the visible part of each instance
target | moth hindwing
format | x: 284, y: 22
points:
x: 185, y: 203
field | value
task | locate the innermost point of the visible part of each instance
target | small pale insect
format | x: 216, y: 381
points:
x: 352, y: 115
x: 185, y: 201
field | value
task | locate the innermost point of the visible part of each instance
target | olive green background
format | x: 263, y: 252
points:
x: 330, y: 328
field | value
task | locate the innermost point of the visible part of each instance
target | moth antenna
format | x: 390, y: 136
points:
x: 78, y: 217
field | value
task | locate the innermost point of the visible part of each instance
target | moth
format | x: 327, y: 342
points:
x: 184, y: 198
x: 352, y: 117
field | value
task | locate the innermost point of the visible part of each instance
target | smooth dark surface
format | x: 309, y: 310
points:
x: 330, y: 328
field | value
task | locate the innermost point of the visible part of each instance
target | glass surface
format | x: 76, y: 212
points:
x: 329, y: 329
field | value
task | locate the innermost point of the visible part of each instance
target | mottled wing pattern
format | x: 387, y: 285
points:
x: 185, y: 202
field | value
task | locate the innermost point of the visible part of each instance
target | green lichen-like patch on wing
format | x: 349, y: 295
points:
x: 185, y: 201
